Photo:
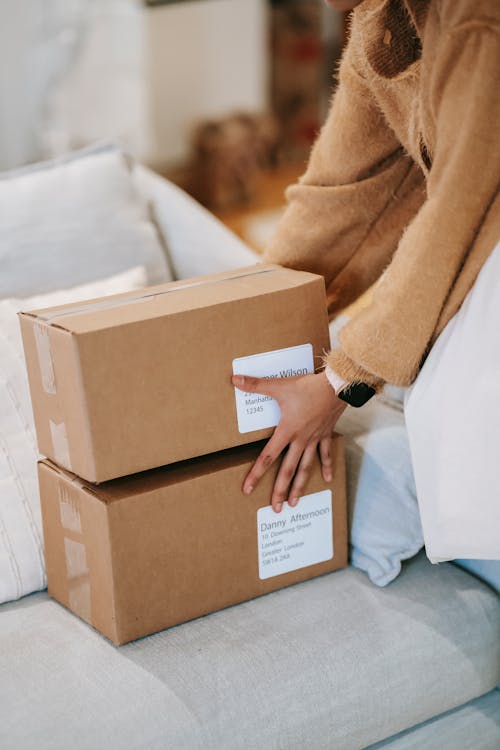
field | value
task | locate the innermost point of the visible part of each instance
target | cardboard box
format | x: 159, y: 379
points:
x: 134, y: 381
x: 139, y: 554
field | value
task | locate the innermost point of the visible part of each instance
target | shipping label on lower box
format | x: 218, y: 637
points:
x: 296, y: 537
x: 256, y: 412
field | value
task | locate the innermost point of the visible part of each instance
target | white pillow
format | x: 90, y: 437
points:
x: 384, y: 517
x: 73, y: 221
x: 22, y: 568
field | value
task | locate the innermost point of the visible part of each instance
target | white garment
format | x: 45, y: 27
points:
x: 453, y: 418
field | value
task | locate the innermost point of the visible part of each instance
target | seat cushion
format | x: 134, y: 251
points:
x: 332, y: 662
x: 475, y: 726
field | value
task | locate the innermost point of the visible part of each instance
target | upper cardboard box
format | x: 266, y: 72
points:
x: 138, y: 380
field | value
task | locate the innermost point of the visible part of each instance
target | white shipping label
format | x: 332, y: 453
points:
x: 296, y: 537
x: 256, y: 412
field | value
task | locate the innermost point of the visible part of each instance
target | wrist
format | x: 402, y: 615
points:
x: 336, y: 381
x: 355, y: 393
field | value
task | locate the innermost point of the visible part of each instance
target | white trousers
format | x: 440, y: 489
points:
x: 453, y: 417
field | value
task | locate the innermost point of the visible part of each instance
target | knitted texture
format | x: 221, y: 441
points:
x: 402, y: 182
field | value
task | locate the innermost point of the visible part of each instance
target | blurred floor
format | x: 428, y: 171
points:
x: 255, y: 221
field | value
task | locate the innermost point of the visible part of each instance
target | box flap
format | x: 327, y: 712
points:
x: 183, y: 471
x: 164, y: 476
x: 174, y: 297
x: 70, y: 477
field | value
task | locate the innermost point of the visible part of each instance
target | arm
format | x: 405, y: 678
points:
x: 346, y: 215
x: 462, y: 86
x: 388, y: 340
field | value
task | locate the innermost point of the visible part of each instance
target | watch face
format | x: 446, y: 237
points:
x: 357, y: 394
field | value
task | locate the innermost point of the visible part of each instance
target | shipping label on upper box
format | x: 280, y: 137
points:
x: 257, y: 412
x: 295, y: 537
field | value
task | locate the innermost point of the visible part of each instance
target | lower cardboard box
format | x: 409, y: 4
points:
x: 136, y: 555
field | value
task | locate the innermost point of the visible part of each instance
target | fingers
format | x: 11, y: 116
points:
x: 285, y: 475
x: 267, y: 457
x: 325, y: 454
x: 303, y: 474
x: 264, y: 386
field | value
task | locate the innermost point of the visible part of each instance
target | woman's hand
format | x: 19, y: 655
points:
x: 309, y: 412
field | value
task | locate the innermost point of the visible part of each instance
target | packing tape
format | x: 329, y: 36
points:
x: 76, y: 558
x: 69, y: 512
x: 60, y: 444
x: 108, y: 304
x: 79, y: 600
x: 77, y: 574
x: 45, y: 363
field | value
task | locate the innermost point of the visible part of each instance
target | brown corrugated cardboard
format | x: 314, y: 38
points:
x: 143, y: 553
x: 139, y: 380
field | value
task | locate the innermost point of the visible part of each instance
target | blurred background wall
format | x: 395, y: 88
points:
x: 206, y: 58
x: 37, y: 41
x: 75, y: 71
x: 72, y: 71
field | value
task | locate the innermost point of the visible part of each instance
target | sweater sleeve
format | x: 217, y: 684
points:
x: 389, y: 339
x: 347, y: 212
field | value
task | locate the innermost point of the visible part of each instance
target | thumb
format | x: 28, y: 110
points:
x: 264, y: 386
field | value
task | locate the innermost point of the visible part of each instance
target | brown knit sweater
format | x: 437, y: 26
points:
x: 403, y: 180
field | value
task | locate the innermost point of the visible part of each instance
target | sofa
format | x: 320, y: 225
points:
x: 334, y: 663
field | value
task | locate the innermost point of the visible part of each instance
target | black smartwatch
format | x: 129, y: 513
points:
x: 357, y: 393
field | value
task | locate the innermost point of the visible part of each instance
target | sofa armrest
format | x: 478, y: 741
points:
x: 196, y: 241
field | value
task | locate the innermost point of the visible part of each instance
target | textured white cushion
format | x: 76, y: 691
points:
x: 22, y: 568
x: 329, y: 664
x: 73, y: 221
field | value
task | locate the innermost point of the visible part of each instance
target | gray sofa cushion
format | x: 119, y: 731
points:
x: 333, y: 662
x: 475, y: 726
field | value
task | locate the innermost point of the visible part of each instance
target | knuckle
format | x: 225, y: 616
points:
x: 299, y: 442
x: 266, y: 459
x: 287, y: 473
x: 303, y: 473
x: 280, y: 490
x: 305, y: 466
x: 283, y: 428
x: 299, y: 485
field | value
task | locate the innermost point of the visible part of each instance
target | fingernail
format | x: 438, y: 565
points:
x: 293, y: 502
x: 238, y: 380
x: 248, y: 489
x: 278, y: 507
x: 328, y: 476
